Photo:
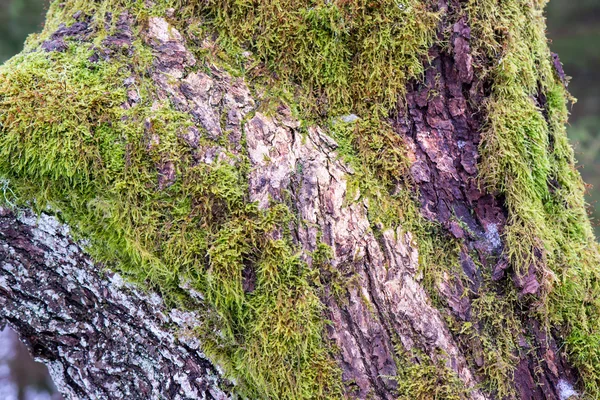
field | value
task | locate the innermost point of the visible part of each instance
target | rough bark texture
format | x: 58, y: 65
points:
x: 443, y: 132
x: 387, y: 299
x: 105, y: 339
x: 100, y: 337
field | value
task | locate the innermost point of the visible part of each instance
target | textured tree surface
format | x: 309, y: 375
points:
x: 100, y: 337
x: 296, y: 199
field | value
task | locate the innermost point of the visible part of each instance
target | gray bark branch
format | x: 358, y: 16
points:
x: 101, y: 337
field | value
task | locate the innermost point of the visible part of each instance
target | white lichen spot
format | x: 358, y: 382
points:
x: 117, y: 281
x: 155, y: 299
x: 565, y: 390
x: 27, y: 219
x: 52, y: 295
x: 5, y: 285
x: 8, y: 267
x: 57, y: 372
x: 349, y: 118
x: 493, y: 237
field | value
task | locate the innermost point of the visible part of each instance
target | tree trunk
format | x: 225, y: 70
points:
x: 282, y: 199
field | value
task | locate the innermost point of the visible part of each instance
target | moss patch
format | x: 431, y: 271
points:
x: 344, y: 55
x: 421, y: 378
x: 526, y: 158
x: 68, y: 144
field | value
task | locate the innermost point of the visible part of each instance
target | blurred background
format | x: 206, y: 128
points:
x: 574, y: 30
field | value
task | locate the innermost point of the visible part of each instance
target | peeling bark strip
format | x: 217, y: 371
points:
x: 387, y: 301
x: 100, y: 337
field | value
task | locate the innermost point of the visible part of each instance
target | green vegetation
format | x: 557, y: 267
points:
x: 421, y: 378
x: 67, y: 144
x: 344, y: 55
x: 492, y: 336
x: 526, y: 158
x: 574, y: 32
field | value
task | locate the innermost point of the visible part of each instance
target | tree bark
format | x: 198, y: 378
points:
x: 100, y: 337
x: 103, y: 338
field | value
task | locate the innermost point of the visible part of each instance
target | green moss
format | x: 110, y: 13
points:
x: 67, y: 144
x: 527, y: 159
x: 344, y: 55
x: 421, y: 378
x: 492, y: 337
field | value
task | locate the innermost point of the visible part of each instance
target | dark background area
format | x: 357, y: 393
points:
x: 19, y: 18
x: 574, y: 30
